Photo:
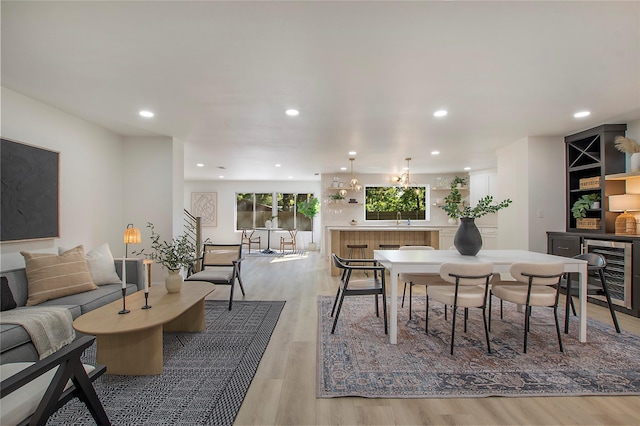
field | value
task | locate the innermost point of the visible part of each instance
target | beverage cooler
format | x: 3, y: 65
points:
x: 618, y: 270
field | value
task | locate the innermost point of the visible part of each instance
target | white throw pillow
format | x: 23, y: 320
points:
x: 101, y: 265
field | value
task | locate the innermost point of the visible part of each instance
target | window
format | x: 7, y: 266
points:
x: 393, y: 203
x: 254, y: 209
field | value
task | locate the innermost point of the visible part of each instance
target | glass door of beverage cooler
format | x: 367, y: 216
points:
x: 617, y: 273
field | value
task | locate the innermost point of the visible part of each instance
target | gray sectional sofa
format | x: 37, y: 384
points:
x: 15, y: 343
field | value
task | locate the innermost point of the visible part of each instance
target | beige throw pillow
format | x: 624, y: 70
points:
x: 50, y: 276
x: 101, y: 265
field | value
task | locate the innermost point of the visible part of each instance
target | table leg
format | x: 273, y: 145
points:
x: 393, y: 308
x: 138, y: 353
x: 582, y: 331
x: 268, y: 249
x: 191, y: 320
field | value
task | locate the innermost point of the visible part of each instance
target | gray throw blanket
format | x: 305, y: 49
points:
x: 50, y: 327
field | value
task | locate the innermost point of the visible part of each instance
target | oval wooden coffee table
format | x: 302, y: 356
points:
x: 131, y: 344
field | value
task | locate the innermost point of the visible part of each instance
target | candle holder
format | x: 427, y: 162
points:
x: 146, y: 298
x: 124, y: 306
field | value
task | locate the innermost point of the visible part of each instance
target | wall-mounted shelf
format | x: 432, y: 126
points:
x: 623, y: 176
x: 448, y: 188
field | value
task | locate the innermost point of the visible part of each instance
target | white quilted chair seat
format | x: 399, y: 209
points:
x: 536, y: 284
x: 464, y: 285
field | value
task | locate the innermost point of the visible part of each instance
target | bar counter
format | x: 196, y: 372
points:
x: 373, y: 236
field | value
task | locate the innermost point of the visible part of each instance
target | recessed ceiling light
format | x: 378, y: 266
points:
x: 289, y: 177
x: 146, y: 114
x: 278, y: 165
x: 221, y: 177
x: 343, y: 168
x: 352, y: 153
x: 200, y: 165
x: 435, y: 152
x: 440, y: 113
x: 292, y: 112
x: 581, y: 114
x: 467, y: 168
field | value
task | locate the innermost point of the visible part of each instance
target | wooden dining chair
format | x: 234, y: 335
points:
x: 291, y: 241
x: 248, y: 239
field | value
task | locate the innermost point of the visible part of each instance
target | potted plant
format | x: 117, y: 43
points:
x: 310, y: 209
x: 584, y: 203
x: 458, y: 182
x: 336, y: 197
x: 467, y: 239
x: 179, y: 253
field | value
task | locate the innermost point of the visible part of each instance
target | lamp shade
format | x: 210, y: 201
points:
x: 132, y: 235
x: 624, y: 202
x: 625, y: 222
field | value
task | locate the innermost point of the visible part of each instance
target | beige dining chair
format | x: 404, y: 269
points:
x: 413, y: 279
x: 467, y: 285
x: 536, y: 284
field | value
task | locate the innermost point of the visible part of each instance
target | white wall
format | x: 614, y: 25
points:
x: 91, y: 176
x: 546, y: 189
x: 225, y: 231
x: 152, y: 191
x: 531, y: 174
x: 106, y: 181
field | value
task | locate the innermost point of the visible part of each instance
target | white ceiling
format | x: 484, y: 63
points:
x: 366, y: 76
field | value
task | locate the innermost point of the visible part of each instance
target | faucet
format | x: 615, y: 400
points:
x: 398, y: 217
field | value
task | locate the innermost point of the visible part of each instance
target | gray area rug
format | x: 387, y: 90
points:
x: 206, y: 375
x: 359, y: 361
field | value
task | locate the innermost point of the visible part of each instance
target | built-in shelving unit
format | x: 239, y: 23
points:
x: 591, y: 156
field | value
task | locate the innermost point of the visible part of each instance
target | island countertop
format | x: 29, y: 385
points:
x: 389, y: 228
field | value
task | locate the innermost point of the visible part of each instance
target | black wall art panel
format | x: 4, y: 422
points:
x: 30, y: 192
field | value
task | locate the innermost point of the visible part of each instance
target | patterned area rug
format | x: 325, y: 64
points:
x: 206, y: 375
x: 359, y: 361
x: 276, y: 253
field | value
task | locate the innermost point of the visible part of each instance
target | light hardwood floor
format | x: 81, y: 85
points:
x: 283, y: 389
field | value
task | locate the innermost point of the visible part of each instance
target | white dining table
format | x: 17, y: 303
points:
x: 429, y: 261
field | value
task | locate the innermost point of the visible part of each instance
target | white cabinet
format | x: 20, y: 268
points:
x: 482, y: 184
x: 489, y: 238
x: 446, y: 238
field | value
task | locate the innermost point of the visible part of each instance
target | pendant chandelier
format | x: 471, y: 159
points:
x: 354, y: 182
x: 404, y: 180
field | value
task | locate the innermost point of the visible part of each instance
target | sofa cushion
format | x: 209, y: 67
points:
x: 101, y: 265
x: 51, y: 276
x: 6, y: 297
x: 89, y: 301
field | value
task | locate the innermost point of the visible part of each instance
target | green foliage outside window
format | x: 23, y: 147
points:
x: 385, y: 202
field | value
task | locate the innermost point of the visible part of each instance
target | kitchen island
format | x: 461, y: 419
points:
x: 338, y: 237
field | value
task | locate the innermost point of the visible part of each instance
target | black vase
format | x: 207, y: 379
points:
x: 467, y: 240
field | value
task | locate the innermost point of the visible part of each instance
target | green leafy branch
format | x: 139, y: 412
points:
x: 179, y: 253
